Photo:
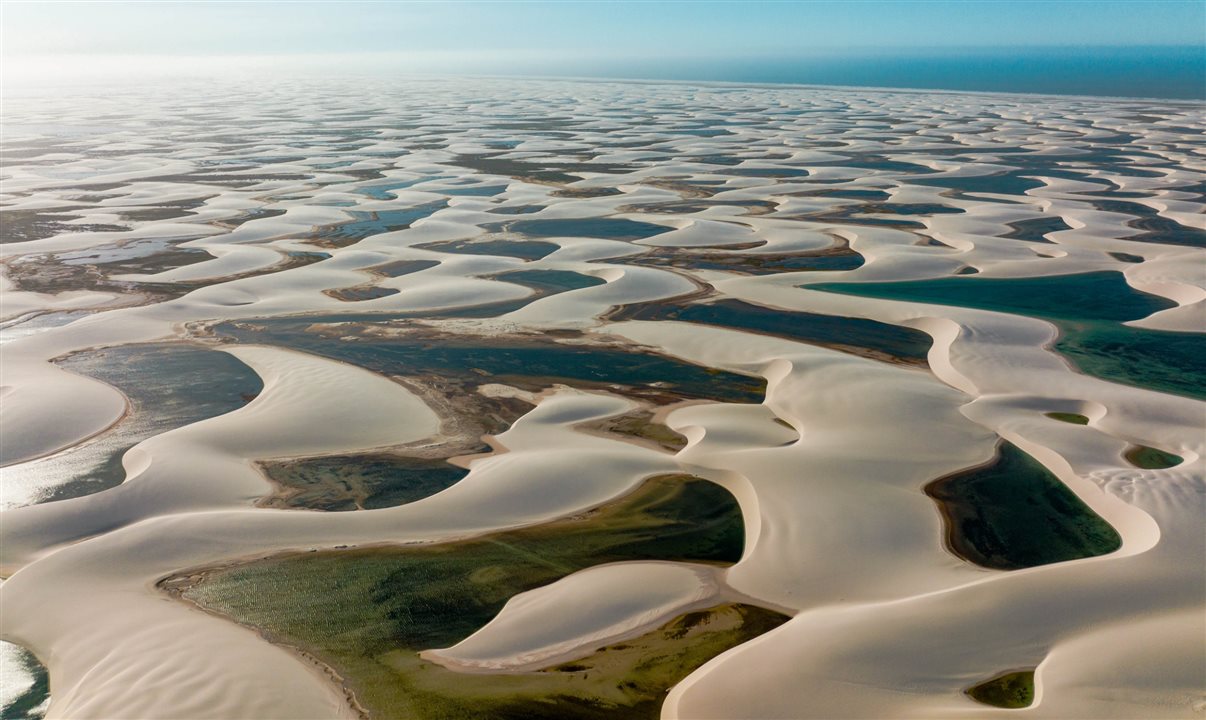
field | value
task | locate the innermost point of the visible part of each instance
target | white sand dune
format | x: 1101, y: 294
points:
x: 30, y: 431
x: 581, y: 613
x: 205, y: 464
x: 522, y: 486
x: 828, y: 470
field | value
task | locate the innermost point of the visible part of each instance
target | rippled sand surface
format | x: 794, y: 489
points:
x: 241, y: 323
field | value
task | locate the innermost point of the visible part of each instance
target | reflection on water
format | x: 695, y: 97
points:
x: 24, y: 684
x: 15, y: 329
x: 169, y: 386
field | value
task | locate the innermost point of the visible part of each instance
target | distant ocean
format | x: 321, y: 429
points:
x: 1146, y: 72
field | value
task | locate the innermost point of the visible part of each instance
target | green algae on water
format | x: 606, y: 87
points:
x: 1012, y: 690
x: 1073, y: 418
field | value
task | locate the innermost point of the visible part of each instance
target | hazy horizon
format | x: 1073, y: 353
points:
x: 1126, y: 49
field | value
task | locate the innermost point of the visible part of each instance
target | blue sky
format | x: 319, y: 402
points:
x: 589, y: 28
x: 632, y: 39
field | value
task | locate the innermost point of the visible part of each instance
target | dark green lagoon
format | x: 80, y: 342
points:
x: 867, y: 338
x: 1013, y: 513
x: 607, y: 228
x: 1088, y: 309
x: 550, y: 282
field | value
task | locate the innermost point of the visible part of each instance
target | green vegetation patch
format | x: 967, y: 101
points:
x: 1012, y: 691
x: 361, y: 293
x: 367, y: 612
x: 1150, y: 458
x: 356, y: 482
x: 623, y: 680
x: 640, y: 426
x: 1073, y: 418
x: 1012, y: 513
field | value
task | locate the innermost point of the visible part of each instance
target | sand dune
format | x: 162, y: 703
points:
x: 528, y: 215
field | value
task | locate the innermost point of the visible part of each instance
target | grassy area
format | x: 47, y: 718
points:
x: 356, y: 482
x: 367, y: 612
x: 639, y: 425
x: 1012, y: 691
x: 622, y: 680
x: 1013, y: 513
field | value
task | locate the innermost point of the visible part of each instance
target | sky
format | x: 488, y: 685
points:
x: 904, y: 43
